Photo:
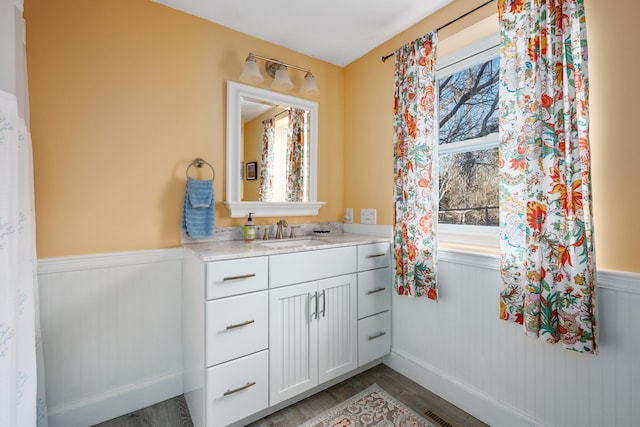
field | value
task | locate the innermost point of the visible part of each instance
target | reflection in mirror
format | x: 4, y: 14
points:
x: 278, y: 137
x: 279, y: 133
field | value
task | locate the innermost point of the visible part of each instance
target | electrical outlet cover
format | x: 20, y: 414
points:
x: 367, y: 216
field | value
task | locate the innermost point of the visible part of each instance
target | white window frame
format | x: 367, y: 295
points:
x: 481, y: 51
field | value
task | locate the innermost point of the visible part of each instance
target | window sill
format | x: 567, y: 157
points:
x: 469, y: 238
x: 459, y: 247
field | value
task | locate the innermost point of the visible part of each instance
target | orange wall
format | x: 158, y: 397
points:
x: 614, y: 61
x: 369, y: 92
x: 124, y: 95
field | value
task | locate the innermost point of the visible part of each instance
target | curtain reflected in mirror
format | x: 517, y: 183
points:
x: 283, y: 155
x: 267, y: 161
x: 296, y: 156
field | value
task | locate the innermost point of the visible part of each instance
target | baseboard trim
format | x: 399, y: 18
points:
x: 103, y: 407
x: 107, y: 260
x: 467, y: 398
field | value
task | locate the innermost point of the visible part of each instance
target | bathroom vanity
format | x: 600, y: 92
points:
x: 267, y: 323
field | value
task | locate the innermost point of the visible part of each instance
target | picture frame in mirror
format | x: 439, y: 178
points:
x: 251, y: 171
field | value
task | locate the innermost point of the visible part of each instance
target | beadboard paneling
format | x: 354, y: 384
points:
x: 459, y: 349
x: 111, y: 333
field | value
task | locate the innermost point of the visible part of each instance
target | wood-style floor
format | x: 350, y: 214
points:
x: 174, y: 412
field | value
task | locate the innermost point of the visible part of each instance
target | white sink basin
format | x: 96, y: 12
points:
x: 289, y: 243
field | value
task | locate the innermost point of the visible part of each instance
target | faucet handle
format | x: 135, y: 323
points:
x: 293, y: 233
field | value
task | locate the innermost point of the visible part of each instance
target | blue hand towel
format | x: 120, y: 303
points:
x: 198, y: 213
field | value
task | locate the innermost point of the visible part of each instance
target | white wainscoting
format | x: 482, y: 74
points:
x: 111, y: 334
x: 111, y: 331
x: 459, y: 349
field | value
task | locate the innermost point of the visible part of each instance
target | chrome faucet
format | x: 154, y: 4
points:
x: 280, y: 231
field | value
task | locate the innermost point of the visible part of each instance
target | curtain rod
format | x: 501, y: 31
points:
x: 384, y: 58
x: 285, y: 111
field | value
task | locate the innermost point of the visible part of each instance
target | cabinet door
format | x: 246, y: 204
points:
x: 337, y: 326
x: 293, y: 340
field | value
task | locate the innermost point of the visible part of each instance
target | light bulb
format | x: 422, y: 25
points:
x: 251, y: 73
x: 282, y: 80
x: 309, y: 87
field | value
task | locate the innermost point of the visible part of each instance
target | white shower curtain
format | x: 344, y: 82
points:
x: 22, y: 392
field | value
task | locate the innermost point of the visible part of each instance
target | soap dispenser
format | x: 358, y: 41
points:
x: 249, y: 229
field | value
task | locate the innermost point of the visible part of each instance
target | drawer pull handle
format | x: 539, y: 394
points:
x: 315, y: 313
x: 238, y: 325
x: 375, y: 256
x: 378, y: 335
x: 375, y: 291
x: 244, y: 387
x: 244, y: 276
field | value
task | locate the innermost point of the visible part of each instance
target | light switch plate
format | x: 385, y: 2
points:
x: 367, y: 216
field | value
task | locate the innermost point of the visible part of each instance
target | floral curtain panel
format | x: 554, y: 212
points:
x: 415, y: 200
x: 266, y: 161
x: 295, y: 156
x: 547, y: 253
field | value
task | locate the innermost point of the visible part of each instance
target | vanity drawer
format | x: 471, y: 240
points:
x: 374, y: 291
x: 237, y: 389
x: 375, y: 255
x: 299, y: 267
x: 374, y: 337
x: 237, y: 276
x: 237, y: 326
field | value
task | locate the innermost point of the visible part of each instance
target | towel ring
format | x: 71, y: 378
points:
x: 199, y: 162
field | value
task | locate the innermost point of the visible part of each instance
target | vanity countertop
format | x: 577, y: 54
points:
x: 230, y: 249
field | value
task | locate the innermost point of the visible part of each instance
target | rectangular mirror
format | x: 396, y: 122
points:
x: 280, y: 134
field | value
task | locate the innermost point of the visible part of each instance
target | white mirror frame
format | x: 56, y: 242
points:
x: 238, y: 209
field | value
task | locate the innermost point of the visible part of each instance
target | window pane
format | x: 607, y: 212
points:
x: 468, y: 103
x: 469, y: 188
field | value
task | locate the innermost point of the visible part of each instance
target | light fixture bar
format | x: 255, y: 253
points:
x: 275, y: 61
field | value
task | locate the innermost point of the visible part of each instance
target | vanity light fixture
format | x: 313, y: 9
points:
x: 251, y: 73
x: 278, y: 70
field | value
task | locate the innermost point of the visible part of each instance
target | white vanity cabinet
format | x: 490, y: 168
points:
x: 259, y: 331
x: 313, y: 325
x: 374, y: 301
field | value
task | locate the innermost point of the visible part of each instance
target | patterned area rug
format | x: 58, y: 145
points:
x: 372, y: 407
